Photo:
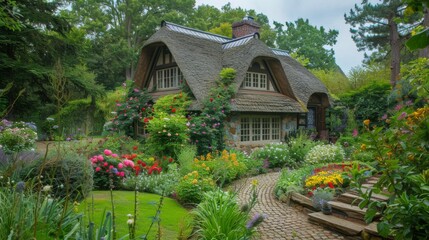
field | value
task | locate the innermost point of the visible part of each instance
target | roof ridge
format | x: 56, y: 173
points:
x: 252, y: 35
x: 165, y: 23
x: 280, y: 51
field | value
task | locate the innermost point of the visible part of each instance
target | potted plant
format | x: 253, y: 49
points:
x: 325, y: 207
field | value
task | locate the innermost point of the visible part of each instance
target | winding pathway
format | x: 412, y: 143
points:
x: 283, y: 221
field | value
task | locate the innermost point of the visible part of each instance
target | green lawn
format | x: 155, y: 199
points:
x: 174, y: 218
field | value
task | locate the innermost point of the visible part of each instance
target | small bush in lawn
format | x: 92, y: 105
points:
x: 325, y: 154
x: 69, y: 174
x: 191, y: 186
x: 277, y: 155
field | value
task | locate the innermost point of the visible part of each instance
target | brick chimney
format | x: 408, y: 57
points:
x: 244, y: 27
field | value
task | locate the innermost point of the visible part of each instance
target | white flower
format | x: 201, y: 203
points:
x: 46, y: 188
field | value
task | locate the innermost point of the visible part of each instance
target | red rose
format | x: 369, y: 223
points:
x: 211, y: 99
x: 173, y: 110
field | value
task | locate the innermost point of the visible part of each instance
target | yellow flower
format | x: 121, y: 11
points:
x: 195, y: 173
x: 207, y: 168
x: 185, y: 177
x: 366, y: 122
x: 411, y: 157
x: 195, y: 181
x: 363, y: 147
x: 196, y: 160
x: 254, y: 182
x: 203, y: 165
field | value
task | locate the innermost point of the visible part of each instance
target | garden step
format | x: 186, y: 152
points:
x: 350, y: 211
x: 349, y: 198
x: 338, y: 224
x: 375, y: 196
x: 371, y: 229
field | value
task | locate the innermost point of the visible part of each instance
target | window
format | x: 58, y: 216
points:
x: 260, y: 129
x: 169, y: 78
x: 256, y: 81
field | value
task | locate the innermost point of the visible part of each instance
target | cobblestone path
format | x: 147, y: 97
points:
x: 283, y: 221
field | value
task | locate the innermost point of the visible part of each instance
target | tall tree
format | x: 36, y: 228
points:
x: 118, y: 29
x: 308, y: 41
x: 377, y: 27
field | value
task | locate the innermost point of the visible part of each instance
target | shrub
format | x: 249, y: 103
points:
x: 219, y: 216
x: 68, y: 174
x: 16, y: 137
x: 299, y: 146
x: 168, y: 134
x: 191, y: 186
x: 253, y: 166
x: 186, y: 158
x: 118, y: 143
x: 163, y: 183
x: 291, y: 181
x: 277, y: 154
x: 321, y: 195
x: 325, y: 154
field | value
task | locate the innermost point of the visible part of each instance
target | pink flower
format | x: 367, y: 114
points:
x: 121, y: 174
x: 97, y: 169
x: 384, y: 117
x: 114, y: 155
x: 105, y: 164
x: 107, y: 152
x: 111, y: 166
x: 402, y: 116
x: 100, y: 158
x: 355, y: 132
x: 120, y: 165
x: 128, y: 163
x: 398, y: 107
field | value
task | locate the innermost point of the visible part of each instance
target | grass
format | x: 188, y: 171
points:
x: 174, y: 218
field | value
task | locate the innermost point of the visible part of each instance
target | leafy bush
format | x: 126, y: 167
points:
x: 219, y: 216
x: 168, y: 134
x: 16, y: 137
x: 190, y: 188
x: 299, y: 146
x: 163, y: 183
x: 186, y: 158
x: 321, y: 195
x: 325, y: 154
x: 253, y: 166
x: 118, y: 143
x: 277, y: 154
x: 291, y: 181
x: 68, y: 174
x: 223, y: 167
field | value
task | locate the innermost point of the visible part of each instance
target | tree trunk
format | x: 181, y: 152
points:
x: 395, y: 44
x: 424, y: 53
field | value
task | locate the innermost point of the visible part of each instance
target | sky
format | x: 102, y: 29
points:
x: 326, y: 13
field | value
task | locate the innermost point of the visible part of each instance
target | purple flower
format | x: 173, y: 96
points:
x: 355, y: 132
x: 255, y: 221
x: 402, y: 116
x: 398, y: 107
x: 384, y: 117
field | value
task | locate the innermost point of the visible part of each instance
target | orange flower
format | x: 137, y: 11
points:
x: 366, y: 122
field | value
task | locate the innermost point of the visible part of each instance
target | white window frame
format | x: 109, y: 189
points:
x: 260, y: 129
x: 256, y: 80
x: 168, y: 78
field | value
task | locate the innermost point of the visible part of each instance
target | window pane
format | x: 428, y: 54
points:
x: 256, y: 129
x: 248, y: 80
x: 266, y: 123
x: 245, y: 130
x: 255, y: 80
x: 263, y: 81
x: 275, y: 128
x: 159, y: 79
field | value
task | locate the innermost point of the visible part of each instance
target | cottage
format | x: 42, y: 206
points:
x: 275, y: 95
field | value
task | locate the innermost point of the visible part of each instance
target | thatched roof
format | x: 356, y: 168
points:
x: 201, y: 56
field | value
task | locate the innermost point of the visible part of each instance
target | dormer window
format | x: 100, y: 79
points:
x: 169, y: 78
x: 258, y: 78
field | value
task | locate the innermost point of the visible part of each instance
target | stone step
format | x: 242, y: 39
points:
x: 371, y: 230
x: 349, y: 210
x: 349, y: 198
x: 337, y: 224
x: 374, y: 196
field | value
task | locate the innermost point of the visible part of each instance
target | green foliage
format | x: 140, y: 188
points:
x: 321, y: 195
x: 16, y: 137
x: 326, y: 153
x: 172, y: 104
x: 277, y: 154
x: 416, y: 74
x: 370, y: 102
x: 372, y: 72
x: 168, y: 134
x: 401, y: 153
x: 163, y: 183
x: 190, y: 188
x: 137, y: 106
x: 27, y: 215
x: 291, y: 181
x: 69, y: 174
x: 219, y: 216
x: 336, y: 82
x: 186, y: 158
x: 118, y: 143
x: 308, y: 41
x: 207, y: 128
x: 78, y: 114
x: 299, y: 145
